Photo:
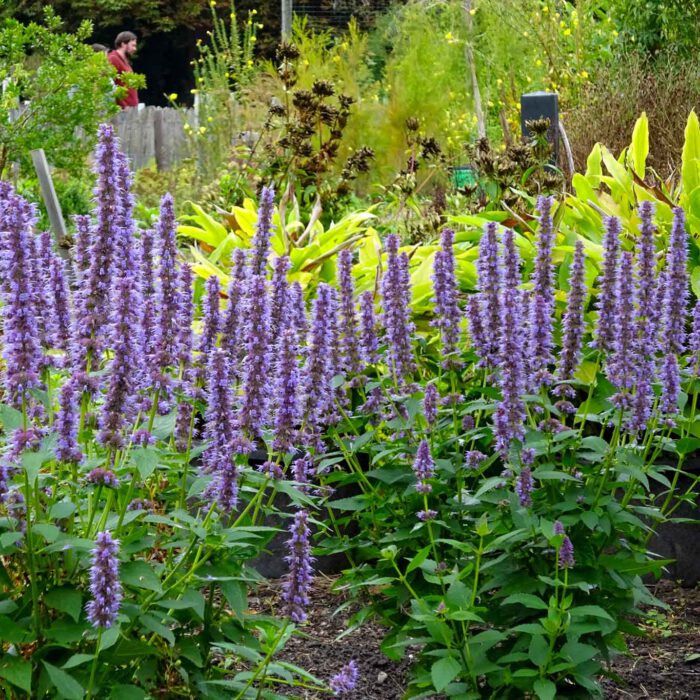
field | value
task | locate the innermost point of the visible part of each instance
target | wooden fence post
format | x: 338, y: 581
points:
x: 53, y: 206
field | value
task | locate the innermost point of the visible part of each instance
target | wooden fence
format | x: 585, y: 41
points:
x: 154, y: 135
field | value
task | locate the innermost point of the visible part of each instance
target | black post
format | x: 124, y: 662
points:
x: 541, y: 105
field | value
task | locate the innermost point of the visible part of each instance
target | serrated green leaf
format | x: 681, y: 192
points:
x: 545, y: 689
x: 64, y: 683
x: 67, y: 600
x: 17, y: 671
x: 127, y: 692
x: 444, y: 671
x: 527, y: 599
x: 140, y: 575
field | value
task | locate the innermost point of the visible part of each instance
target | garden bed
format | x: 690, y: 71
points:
x: 664, y: 665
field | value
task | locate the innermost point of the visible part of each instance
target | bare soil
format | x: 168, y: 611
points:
x: 664, y: 665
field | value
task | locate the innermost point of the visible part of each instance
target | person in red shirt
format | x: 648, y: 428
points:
x: 124, y: 46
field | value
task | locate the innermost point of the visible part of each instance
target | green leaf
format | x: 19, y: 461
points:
x: 17, y: 671
x: 639, y: 149
x: 10, y: 417
x: 49, y: 532
x: 539, y: 650
x: 354, y: 503
x: 545, y: 689
x: 61, y: 510
x: 67, y: 600
x: 140, y: 575
x: 64, y: 683
x: 146, y: 460
x: 444, y: 671
x: 418, y: 559
x: 127, y: 692
x: 154, y: 625
x: 77, y: 660
x: 690, y: 161
x: 109, y: 638
x: 526, y: 599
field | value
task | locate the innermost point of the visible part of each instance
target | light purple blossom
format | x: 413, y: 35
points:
x: 489, y: 285
x: 105, y: 587
x: 297, y: 583
x: 345, y: 680
x: 369, y: 344
x: 423, y: 467
x: 676, y: 299
x: 263, y: 230
x: 445, y: 292
x: 572, y: 321
x: 349, y: 350
x: 430, y: 401
x: 66, y: 425
x: 524, y: 487
x: 286, y: 401
x: 605, y: 331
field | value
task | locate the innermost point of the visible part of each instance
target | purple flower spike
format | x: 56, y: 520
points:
x: 605, y: 332
x: 476, y: 328
x: 566, y: 554
x: 185, y: 337
x: 676, y: 301
x: 318, y: 369
x: 219, y: 433
x: 510, y: 412
x: 349, y: 351
x: 148, y: 292
x: 445, y: 290
x: 278, y: 298
x: 295, y: 590
x: 83, y: 243
x: 345, y: 680
x: 61, y: 322
x: 287, y: 408
x: 167, y: 296
x: 524, y: 487
x: 66, y: 425
x: 263, y: 229
x: 105, y: 587
x: 102, y: 477
x: 254, y: 408
x: 430, y: 401
x: 423, y: 467
x: 489, y: 286
x: 211, y: 324
x: 670, y: 385
x: 296, y: 308
x: 124, y: 376
x: 231, y: 339
x: 572, y: 321
x: 621, y: 365
x: 694, y: 342
x: 645, y: 276
x: 369, y: 345
x: 473, y: 459
x: 396, y: 300
x: 21, y: 350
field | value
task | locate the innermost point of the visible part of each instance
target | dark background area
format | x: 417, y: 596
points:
x: 168, y: 30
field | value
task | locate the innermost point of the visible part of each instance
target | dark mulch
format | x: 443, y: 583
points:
x: 663, y: 666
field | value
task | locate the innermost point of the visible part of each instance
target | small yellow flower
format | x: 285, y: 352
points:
x: 253, y: 12
x: 306, y: 61
x: 567, y: 32
x: 472, y: 12
x: 545, y: 9
x: 253, y: 38
x: 584, y: 74
x: 250, y: 63
x: 212, y: 3
x: 525, y: 34
x: 615, y: 33
x: 202, y: 129
x: 538, y: 62
x: 210, y: 119
x: 172, y: 96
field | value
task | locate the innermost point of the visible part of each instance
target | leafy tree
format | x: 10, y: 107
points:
x: 55, y: 91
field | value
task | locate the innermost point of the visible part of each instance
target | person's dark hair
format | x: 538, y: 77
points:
x: 100, y: 47
x: 123, y: 38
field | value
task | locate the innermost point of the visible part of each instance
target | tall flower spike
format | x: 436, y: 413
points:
x: 263, y: 229
x: 21, y: 351
x: 296, y: 308
x: 423, y: 467
x: 524, y: 487
x: 318, y: 394
x: 670, y: 386
x: 621, y: 364
x: 447, y: 314
x: 81, y: 248
x: 510, y: 412
x: 489, y: 286
x: 572, y: 321
x: 676, y: 301
x: 124, y: 376
x: 476, y: 329
x: 254, y: 407
x: 542, y: 299
x: 278, y: 298
x: 605, y: 331
x: 645, y: 277
x: 166, y: 295
x: 91, y: 319
x: 105, y: 587
x: 349, y: 351
x: 185, y: 315
x: 211, y: 323
x: 397, y: 311
x: 149, y: 317
x: 296, y: 586
x: 369, y: 345
x: 430, y: 401
x: 66, y: 424
x: 61, y: 325
x: 218, y: 457
x: 231, y: 338
x: 287, y: 408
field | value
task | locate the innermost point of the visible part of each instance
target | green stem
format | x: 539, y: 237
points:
x: 93, y: 671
